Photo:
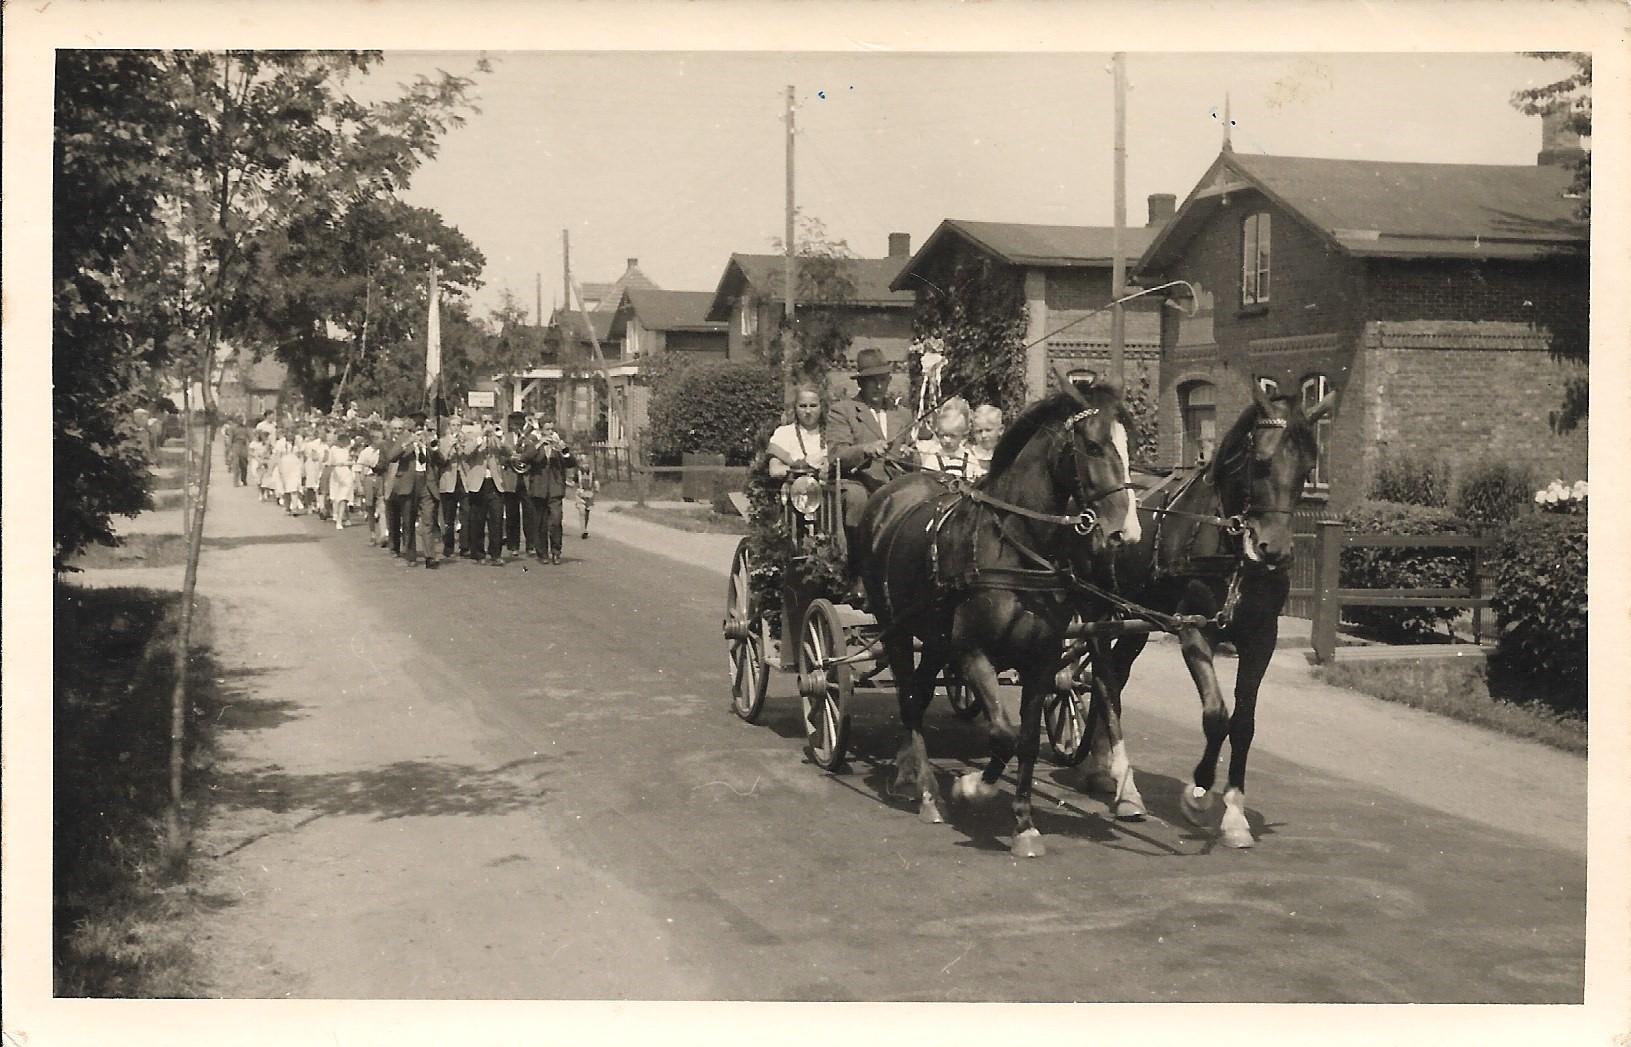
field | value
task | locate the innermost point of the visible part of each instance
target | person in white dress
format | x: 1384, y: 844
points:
x: 340, y: 478
x: 286, y: 452
x: 799, y: 445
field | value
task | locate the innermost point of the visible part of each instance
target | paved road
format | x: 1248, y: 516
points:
x: 526, y: 783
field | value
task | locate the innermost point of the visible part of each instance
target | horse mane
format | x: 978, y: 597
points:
x: 1051, y: 410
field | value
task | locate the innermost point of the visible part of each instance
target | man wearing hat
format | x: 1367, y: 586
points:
x: 862, y: 431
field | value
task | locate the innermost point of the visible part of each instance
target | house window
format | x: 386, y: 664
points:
x: 1254, y: 260
x: 1268, y: 385
x: 750, y: 318
x: 1198, y: 413
x: 1315, y: 389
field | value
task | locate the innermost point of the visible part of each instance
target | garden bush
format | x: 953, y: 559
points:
x: 1493, y: 493
x: 715, y: 408
x: 1412, y: 480
x: 1539, y: 599
x: 1403, y: 568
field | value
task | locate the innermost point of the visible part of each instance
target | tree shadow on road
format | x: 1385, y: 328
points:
x: 239, y: 541
x: 405, y: 789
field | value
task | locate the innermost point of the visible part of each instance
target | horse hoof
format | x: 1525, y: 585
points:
x: 1128, y: 811
x: 1028, y: 844
x: 928, y: 812
x: 1241, y: 838
x: 1194, y: 807
x: 971, y: 786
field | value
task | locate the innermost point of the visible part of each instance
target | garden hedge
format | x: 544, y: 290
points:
x: 1539, y: 599
x: 717, y: 407
x: 1403, y: 568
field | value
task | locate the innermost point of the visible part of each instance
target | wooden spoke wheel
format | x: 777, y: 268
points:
x: 1064, y: 712
x: 745, y: 639
x: 825, y: 683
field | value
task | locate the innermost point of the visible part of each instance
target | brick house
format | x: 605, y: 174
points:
x: 1433, y: 297
x: 752, y: 289
x: 1066, y: 274
x: 249, y: 389
x: 648, y: 321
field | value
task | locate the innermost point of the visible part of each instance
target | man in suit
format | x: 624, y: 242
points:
x: 862, y: 432
x: 487, y: 475
x: 516, y: 500
x: 453, y: 498
x: 550, y: 462
x: 414, y: 489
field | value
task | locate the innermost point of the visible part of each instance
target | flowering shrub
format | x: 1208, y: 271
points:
x: 1390, y: 568
x: 1556, y: 497
x: 1539, y: 598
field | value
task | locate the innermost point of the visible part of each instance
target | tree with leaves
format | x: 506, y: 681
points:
x: 824, y: 290
x: 180, y: 176
x: 1571, y: 95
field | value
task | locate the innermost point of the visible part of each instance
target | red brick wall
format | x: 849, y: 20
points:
x: 1460, y: 405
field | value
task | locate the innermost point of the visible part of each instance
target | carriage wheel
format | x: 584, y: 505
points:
x: 1064, y: 711
x: 964, y: 702
x: 824, y: 684
x: 745, y: 640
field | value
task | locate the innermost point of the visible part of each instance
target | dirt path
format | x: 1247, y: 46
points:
x: 394, y: 854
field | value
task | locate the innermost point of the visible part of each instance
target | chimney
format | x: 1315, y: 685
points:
x: 1162, y: 207
x: 1558, y: 144
x: 634, y: 263
x: 900, y: 245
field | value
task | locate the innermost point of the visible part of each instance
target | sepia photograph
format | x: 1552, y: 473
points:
x: 568, y: 525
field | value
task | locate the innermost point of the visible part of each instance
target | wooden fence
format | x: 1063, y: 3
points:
x: 1330, y: 597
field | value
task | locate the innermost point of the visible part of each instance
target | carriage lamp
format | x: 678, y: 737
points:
x: 805, y: 494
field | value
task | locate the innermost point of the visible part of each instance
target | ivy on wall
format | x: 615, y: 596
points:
x: 977, y: 309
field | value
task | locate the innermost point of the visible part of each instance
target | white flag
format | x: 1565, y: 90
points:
x: 433, y: 336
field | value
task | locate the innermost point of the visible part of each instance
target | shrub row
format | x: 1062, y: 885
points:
x: 1539, y: 598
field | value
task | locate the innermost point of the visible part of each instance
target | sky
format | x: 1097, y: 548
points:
x: 678, y: 158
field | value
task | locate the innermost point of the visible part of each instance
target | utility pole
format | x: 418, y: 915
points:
x: 566, y: 267
x: 787, y: 306
x: 538, y: 310
x: 1118, y: 261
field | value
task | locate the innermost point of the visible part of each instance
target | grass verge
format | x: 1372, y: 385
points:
x: 700, y: 519
x: 120, y: 905
x: 136, y: 550
x: 1462, y: 690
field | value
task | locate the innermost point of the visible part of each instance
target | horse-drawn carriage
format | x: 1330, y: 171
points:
x: 807, y: 624
x: 1050, y: 567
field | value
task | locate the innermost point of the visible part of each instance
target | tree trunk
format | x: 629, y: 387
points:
x: 174, y: 824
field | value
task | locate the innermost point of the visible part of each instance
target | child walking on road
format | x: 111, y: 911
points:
x: 586, y: 484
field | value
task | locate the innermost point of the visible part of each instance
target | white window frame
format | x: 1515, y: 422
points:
x: 1315, y: 388
x: 1256, y: 234
x: 1268, y: 385
x: 749, y: 318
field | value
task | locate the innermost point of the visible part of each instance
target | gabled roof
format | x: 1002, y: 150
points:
x: 570, y: 323
x: 1380, y: 209
x: 1018, y: 243
x: 265, y: 373
x: 767, y: 272
x: 672, y: 310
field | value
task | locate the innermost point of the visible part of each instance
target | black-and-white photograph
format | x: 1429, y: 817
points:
x: 821, y: 524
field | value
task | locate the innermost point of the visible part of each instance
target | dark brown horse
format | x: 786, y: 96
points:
x: 1216, y: 555
x: 971, y: 574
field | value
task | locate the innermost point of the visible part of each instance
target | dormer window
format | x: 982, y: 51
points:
x: 1254, y: 260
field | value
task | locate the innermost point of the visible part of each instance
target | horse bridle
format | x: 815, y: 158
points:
x: 1236, y: 524
x: 1083, y: 522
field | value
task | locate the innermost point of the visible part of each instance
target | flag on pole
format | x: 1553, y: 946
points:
x: 433, y: 337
